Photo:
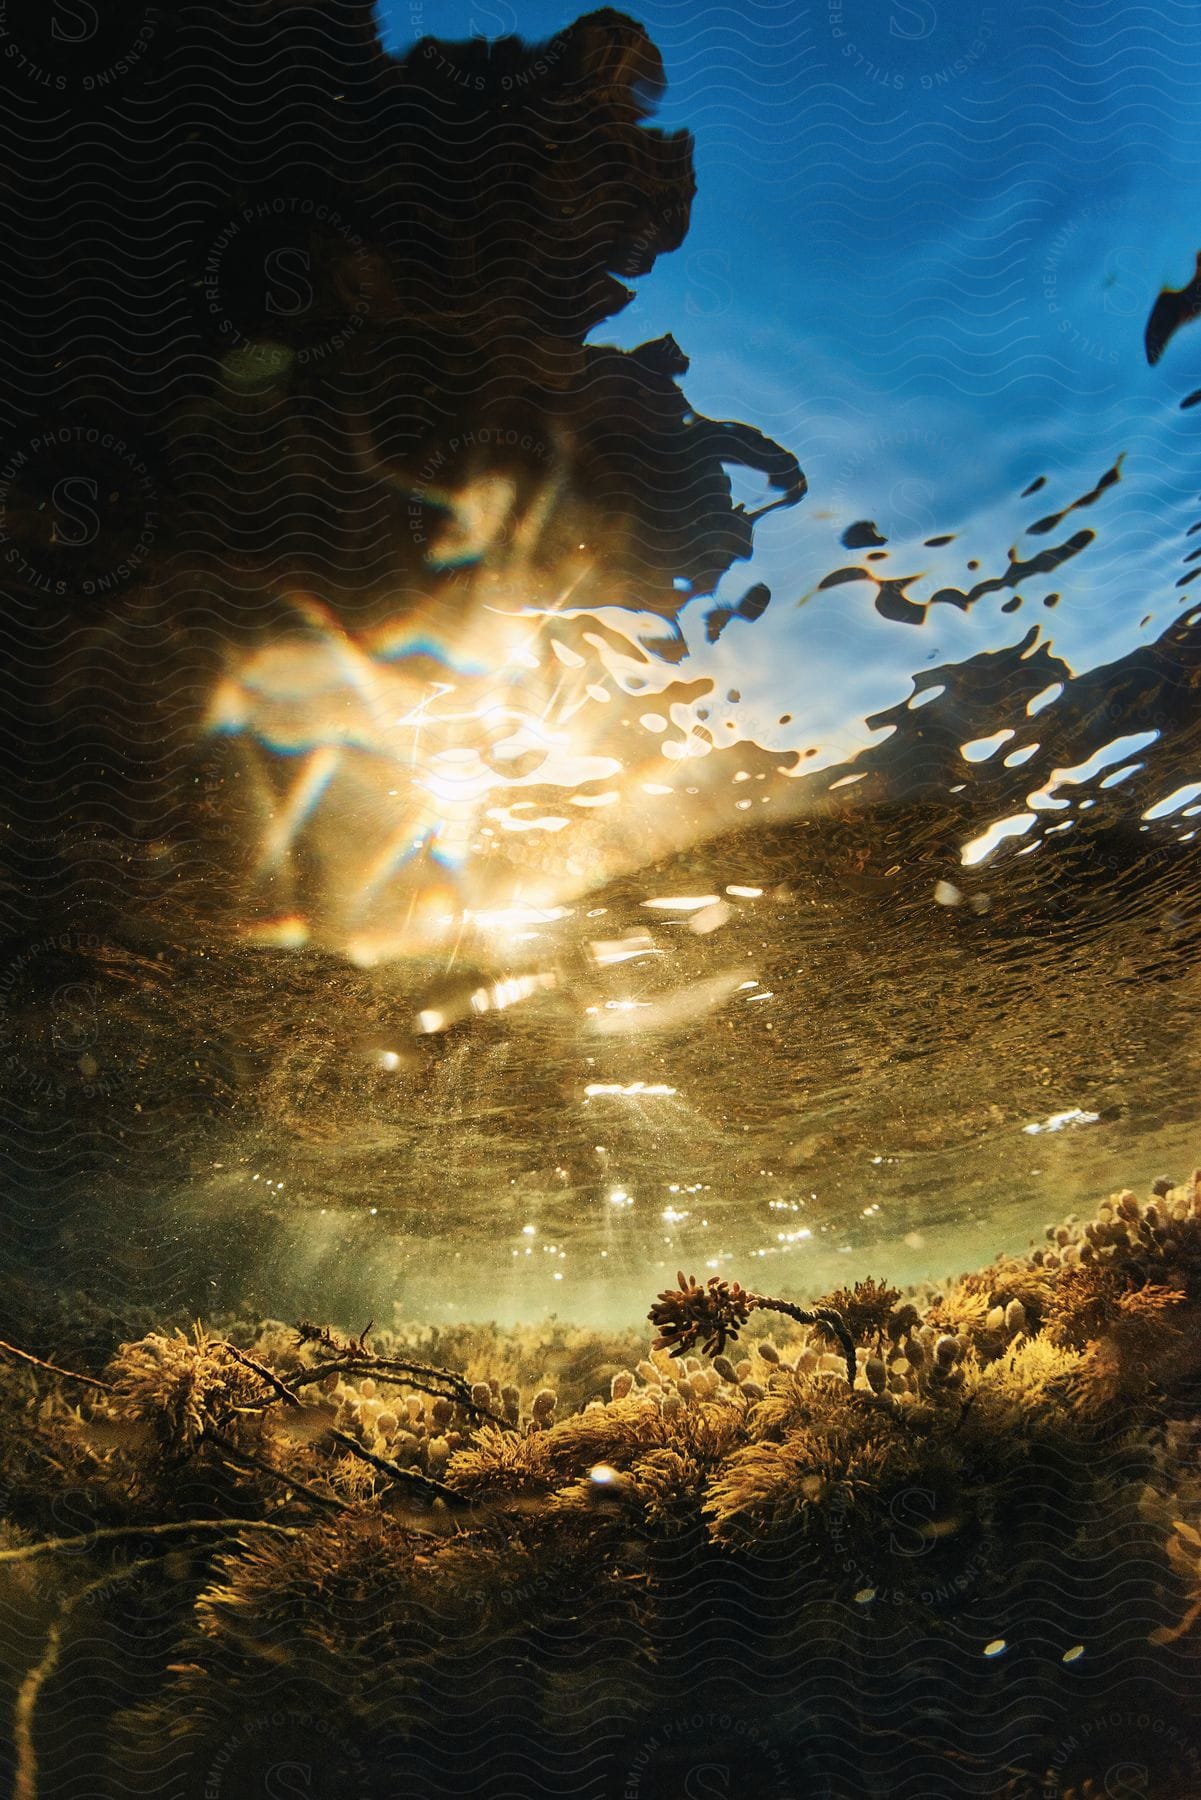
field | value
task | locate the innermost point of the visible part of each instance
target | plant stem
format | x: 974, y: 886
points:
x: 115, y: 1533
x: 53, y: 1368
x: 25, y: 1772
x: 428, y: 1484
x: 402, y: 1374
x: 817, y: 1315
x: 248, y: 1458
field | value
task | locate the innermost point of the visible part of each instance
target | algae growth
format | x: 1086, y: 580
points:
x: 441, y: 1561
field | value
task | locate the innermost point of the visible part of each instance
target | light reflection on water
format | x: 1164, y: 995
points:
x: 848, y: 1041
x: 576, y: 915
x: 894, y: 1021
x: 836, y: 1044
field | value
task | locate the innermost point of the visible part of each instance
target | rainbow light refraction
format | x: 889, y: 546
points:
x: 447, y: 770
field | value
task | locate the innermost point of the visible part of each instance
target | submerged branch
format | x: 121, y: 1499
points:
x: 818, y: 1315
x: 252, y: 1461
x: 418, y: 1375
x: 53, y: 1368
x: 353, y: 1355
x: 283, y: 1391
x: 113, y: 1534
x: 425, y: 1484
x: 421, y: 1376
x: 25, y: 1772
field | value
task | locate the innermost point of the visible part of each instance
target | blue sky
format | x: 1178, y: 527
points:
x: 925, y: 243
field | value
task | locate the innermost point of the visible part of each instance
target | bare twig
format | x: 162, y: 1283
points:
x: 355, y: 1354
x: 25, y: 1773
x: 420, y: 1376
x: 390, y: 1369
x: 427, y: 1484
x: 53, y: 1368
x: 282, y: 1389
x: 308, y: 1333
x: 265, y: 1468
x: 116, y: 1533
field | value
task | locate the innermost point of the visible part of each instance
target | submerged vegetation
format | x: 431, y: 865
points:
x: 565, y: 1540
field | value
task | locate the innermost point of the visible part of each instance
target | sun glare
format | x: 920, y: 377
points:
x: 447, y: 770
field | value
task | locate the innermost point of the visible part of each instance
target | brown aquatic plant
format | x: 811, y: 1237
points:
x: 709, y: 1315
x: 186, y: 1389
x: 713, y: 1315
x: 1137, y: 1353
x: 325, y: 1542
x: 1090, y: 1301
x: 866, y: 1308
x: 819, y: 1449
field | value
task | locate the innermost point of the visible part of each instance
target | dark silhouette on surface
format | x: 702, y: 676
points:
x: 1174, y: 308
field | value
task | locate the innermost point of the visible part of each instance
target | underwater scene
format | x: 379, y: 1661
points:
x: 600, y: 923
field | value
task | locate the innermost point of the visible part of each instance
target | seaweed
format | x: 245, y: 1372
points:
x: 312, y: 1514
x: 866, y: 1308
x: 714, y: 1315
